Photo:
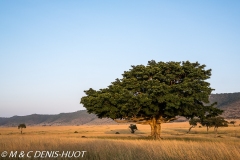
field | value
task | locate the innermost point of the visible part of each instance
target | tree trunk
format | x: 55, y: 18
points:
x: 21, y: 130
x: 155, y: 128
x: 215, y: 129
x: 190, y: 129
x: 207, y: 129
x: 152, y: 129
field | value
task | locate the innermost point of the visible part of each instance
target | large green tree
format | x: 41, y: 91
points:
x: 154, y: 94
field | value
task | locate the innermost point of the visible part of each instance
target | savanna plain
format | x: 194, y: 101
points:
x: 102, y: 142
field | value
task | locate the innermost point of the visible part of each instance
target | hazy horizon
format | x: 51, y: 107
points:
x: 51, y: 51
x: 84, y: 109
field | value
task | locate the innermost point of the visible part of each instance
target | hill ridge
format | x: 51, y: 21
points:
x: 73, y: 118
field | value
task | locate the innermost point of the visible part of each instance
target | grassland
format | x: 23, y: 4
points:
x: 101, y: 142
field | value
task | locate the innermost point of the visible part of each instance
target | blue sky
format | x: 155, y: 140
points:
x: 51, y: 51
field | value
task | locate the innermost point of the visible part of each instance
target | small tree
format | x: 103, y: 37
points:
x: 133, y: 128
x: 21, y: 126
x: 193, y: 122
x: 219, y: 122
x: 207, y: 122
x: 233, y: 123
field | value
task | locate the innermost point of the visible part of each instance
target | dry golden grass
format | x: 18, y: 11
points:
x: 101, y: 142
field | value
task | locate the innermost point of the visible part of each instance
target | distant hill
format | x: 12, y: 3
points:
x: 229, y: 102
x: 74, y: 118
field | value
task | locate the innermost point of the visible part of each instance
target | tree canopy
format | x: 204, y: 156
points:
x: 155, y: 93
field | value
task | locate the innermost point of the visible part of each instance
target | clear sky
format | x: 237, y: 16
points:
x: 51, y: 51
